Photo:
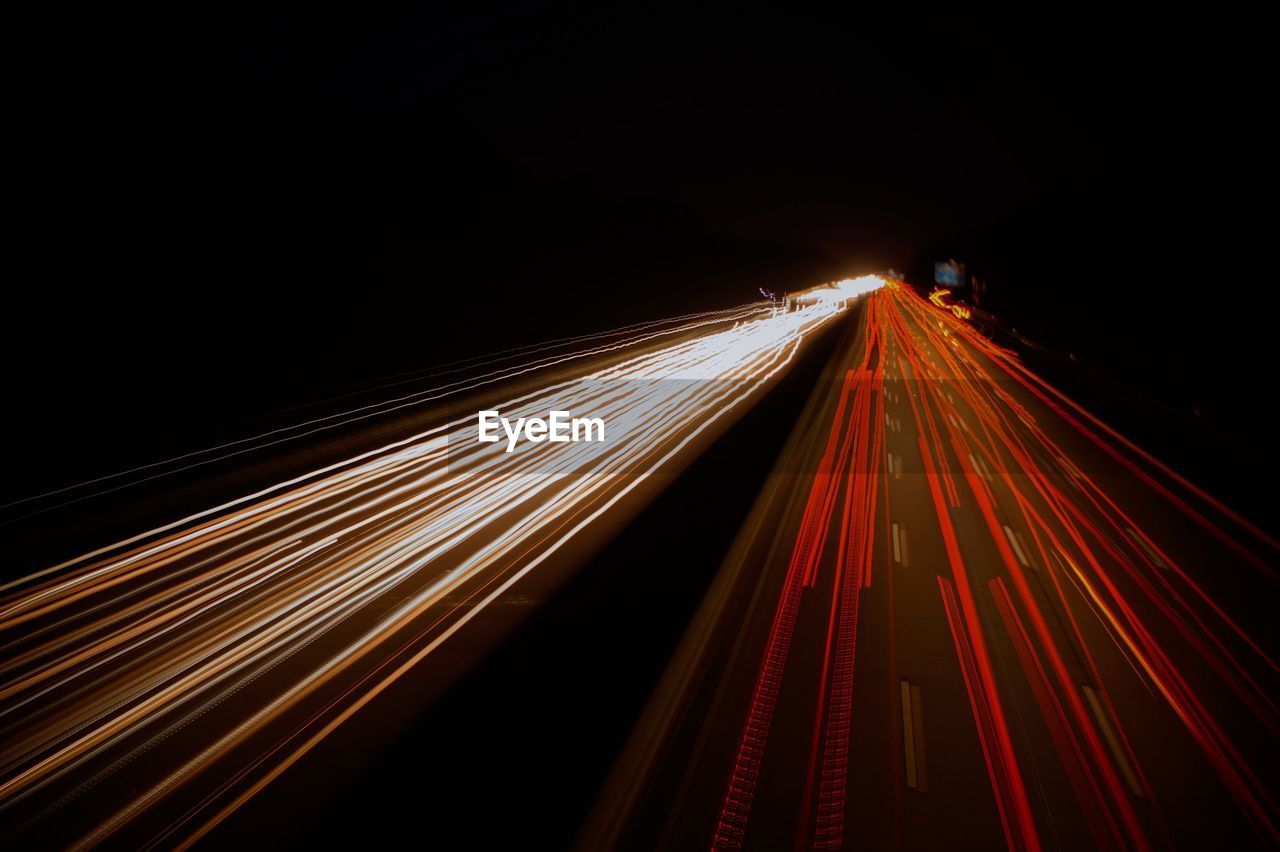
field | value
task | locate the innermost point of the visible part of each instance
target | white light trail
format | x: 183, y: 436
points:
x: 321, y: 580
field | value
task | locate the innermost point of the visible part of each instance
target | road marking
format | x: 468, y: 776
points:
x: 1072, y: 472
x: 913, y: 736
x: 1017, y: 546
x: 979, y: 467
x: 1113, y: 742
x: 1147, y: 546
x: 1022, y: 545
x: 900, y: 553
x: 895, y: 465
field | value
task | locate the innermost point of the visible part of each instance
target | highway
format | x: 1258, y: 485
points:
x: 150, y: 687
x: 964, y: 614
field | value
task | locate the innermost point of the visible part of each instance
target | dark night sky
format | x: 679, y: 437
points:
x: 858, y: 134
x: 217, y: 210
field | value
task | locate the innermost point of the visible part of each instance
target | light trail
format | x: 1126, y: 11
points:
x: 940, y: 298
x: 322, y: 590
x: 1058, y: 613
x: 844, y: 461
x: 1009, y: 440
x: 627, y: 337
x: 1078, y: 530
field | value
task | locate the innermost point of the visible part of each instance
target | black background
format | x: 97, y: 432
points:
x: 215, y: 211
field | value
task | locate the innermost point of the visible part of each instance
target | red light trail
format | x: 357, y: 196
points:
x: 1079, y: 618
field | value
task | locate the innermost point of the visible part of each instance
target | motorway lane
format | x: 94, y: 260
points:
x: 667, y: 790
x: 1097, y: 737
x: 154, y: 685
x: 1047, y: 655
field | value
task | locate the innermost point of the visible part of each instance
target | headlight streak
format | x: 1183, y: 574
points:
x: 313, y: 426
x: 123, y: 647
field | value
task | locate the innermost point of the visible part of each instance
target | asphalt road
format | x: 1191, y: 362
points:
x: 963, y: 615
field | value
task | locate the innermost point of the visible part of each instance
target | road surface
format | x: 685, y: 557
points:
x: 965, y: 615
